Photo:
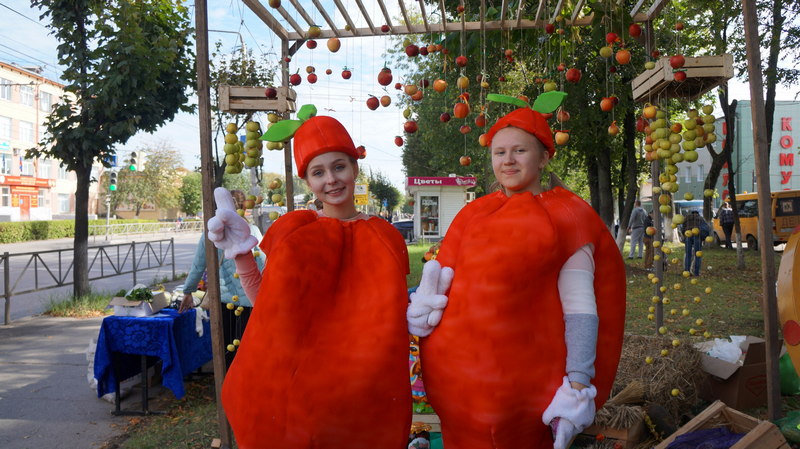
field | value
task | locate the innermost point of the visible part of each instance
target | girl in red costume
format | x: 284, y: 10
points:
x: 529, y: 341
x: 324, y: 360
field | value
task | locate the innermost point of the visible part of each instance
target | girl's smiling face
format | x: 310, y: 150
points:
x: 332, y: 176
x: 518, y: 159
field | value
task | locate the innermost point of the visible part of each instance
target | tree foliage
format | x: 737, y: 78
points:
x: 191, y: 193
x: 157, y: 185
x: 383, y: 190
x: 128, y: 68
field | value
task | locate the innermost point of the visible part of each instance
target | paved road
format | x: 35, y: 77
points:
x: 36, y: 302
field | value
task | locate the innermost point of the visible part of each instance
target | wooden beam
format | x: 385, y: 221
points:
x: 443, y: 12
x: 287, y: 147
x: 405, y: 14
x: 557, y: 11
x: 503, y: 10
x: 364, y: 13
x: 343, y: 12
x: 302, y: 12
x: 386, y: 17
x: 297, y: 28
x: 269, y: 20
x: 519, y: 11
x: 539, y: 10
x: 577, y: 10
x: 656, y: 8
x: 769, y: 304
x: 327, y: 18
x: 636, y: 8
x: 208, y: 170
x: 424, y: 15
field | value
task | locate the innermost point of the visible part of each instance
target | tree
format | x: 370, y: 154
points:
x: 384, y: 191
x: 156, y: 185
x: 191, y: 193
x: 128, y: 67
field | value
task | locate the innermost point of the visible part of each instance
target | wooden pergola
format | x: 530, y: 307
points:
x: 527, y: 15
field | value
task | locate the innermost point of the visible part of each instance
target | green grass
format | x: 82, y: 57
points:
x: 93, y: 304
x: 415, y: 255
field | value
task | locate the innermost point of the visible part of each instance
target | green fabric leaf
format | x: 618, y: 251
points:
x: 549, y: 101
x: 499, y: 98
x: 282, y: 131
x: 306, y: 112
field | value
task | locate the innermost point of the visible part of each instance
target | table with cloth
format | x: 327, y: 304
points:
x: 125, y: 343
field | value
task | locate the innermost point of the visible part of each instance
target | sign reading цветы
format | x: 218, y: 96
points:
x: 460, y: 181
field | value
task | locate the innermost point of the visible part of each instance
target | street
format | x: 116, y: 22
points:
x: 46, y: 267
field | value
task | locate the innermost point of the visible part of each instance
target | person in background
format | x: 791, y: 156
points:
x: 725, y: 215
x: 648, y: 242
x: 531, y: 335
x: 636, y: 229
x: 324, y: 360
x: 694, y: 242
x: 235, y: 315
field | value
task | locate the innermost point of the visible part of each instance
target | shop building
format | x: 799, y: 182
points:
x: 437, y: 200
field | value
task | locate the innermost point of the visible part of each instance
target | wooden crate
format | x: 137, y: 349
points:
x: 760, y: 434
x: 702, y: 74
x: 628, y: 438
x: 239, y: 99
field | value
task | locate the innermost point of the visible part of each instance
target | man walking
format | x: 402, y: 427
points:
x: 725, y: 216
x: 636, y: 229
x: 694, y: 242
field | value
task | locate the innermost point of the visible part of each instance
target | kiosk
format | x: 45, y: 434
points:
x: 437, y: 201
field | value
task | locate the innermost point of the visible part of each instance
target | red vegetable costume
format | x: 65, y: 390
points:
x: 324, y: 360
x: 498, y: 355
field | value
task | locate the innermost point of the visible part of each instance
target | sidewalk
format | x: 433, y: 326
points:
x: 45, y: 397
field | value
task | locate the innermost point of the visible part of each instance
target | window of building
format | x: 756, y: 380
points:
x: 429, y: 215
x: 5, y: 163
x: 27, y: 167
x: 5, y: 196
x: 62, y: 172
x: 5, y: 128
x: 5, y: 89
x: 44, y: 168
x: 26, y: 132
x: 700, y: 171
x: 42, y: 132
x: 26, y: 95
x: 63, y: 202
x: 44, y: 198
x: 687, y: 175
x: 45, y: 101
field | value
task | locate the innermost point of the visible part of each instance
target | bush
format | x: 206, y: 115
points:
x: 25, y: 231
x: 11, y: 232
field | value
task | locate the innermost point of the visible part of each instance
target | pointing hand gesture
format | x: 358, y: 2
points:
x: 226, y: 229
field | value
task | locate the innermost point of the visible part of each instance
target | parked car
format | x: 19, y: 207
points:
x: 406, y: 229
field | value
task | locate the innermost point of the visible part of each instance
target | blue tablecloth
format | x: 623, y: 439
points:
x: 168, y: 335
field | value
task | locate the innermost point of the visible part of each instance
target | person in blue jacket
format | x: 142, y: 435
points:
x: 230, y: 287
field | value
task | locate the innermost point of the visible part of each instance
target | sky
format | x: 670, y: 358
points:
x: 25, y: 40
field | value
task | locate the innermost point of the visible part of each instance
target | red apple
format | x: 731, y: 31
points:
x: 398, y: 86
x: 373, y: 102
x: 508, y: 52
x: 312, y: 44
x: 611, y: 37
x: 410, y: 126
x: 460, y: 9
x: 423, y: 51
x: 312, y: 78
x: 562, y: 115
x: 346, y: 74
x: 385, y: 76
x: 386, y: 101
x: 328, y: 71
x: 677, y: 61
x: 679, y: 26
x: 561, y: 67
x: 444, y: 118
x: 425, y: 83
x: 465, y: 161
x: 480, y: 120
x: 271, y: 92
x: 501, y: 78
x: 461, y: 61
x: 549, y: 28
x: 412, y: 51
x: 275, y: 3
x: 385, y: 28
x: 680, y: 75
x: 398, y: 141
x: 635, y: 30
x: 464, y: 129
x: 295, y: 79
x: 573, y: 75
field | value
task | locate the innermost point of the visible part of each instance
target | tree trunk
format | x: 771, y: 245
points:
x: 594, y: 196
x: 80, y: 255
x: 771, y: 73
x: 631, y: 166
x: 605, y: 196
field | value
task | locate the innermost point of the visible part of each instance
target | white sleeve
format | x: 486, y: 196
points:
x: 576, y: 282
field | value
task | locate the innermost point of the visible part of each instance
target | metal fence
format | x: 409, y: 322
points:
x: 43, y: 270
x: 107, y: 231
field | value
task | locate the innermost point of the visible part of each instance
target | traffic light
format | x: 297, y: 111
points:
x: 112, y: 181
x: 133, y: 162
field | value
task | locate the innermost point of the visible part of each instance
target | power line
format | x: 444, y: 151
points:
x: 23, y: 15
x: 26, y: 55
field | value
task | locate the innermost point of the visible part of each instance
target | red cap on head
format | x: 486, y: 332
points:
x: 319, y: 135
x: 528, y: 120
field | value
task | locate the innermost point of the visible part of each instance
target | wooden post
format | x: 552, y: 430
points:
x: 287, y: 148
x: 765, y: 237
x: 207, y: 168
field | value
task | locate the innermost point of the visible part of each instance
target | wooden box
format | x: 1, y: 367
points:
x: 628, y: 438
x: 703, y: 73
x: 759, y: 434
x: 243, y: 99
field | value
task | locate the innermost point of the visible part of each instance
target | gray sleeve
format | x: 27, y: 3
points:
x: 581, y: 338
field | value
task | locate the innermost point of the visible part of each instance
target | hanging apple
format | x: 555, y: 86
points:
x: 417, y: 96
x: 482, y: 140
x: 346, y: 74
x: 606, y: 52
x: 635, y: 30
x: 271, y: 93
x: 398, y: 141
x: 274, y: 3
x: 562, y: 115
x: 410, y: 89
x: 573, y: 75
x: 412, y: 51
x: 314, y: 32
x: 611, y: 38
x: 465, y: 161
x: 423, y: 50
x: 373, y: 103
x: 677, y: 61
x: 410, y: 126
x: 334, y: 44
x: 680, y: 75
x: 613, y: 129
x: 480, y: 120
x: 385, y: 28
x: 623, y: 56
x: 311, y: 44
x: 385, y: 76
x: 440, y: 85
x: 464, y: 129
x: 562, y: 137
x: 295, y: 79
x: 386, y: 101
x: 444, y: 118
x: 312, y: 78
x: 649, y: 65
x: 461, y: 110
x: 679, y: 26
x: 606, y: 104
x: 461, y: 61
x: 328, y: 71
x: 462, y: 82
x: 549, y: 28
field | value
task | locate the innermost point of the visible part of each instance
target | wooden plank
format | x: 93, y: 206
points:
x: 656, y: 8
x: 364, y: 13
x: 343, y: 12
x: 636, y: 8
x: 269, y: 20
x: 577, y: 10
x: 557, y: 11
x: 519, y: 12
x: 702, y: 74
x: 386, y: 17
x: 405, y: 14
x: 424, y: 15
x: 539, y: 10
x: 302, y: 12
x: 327, y: 18
x: 223, y: 94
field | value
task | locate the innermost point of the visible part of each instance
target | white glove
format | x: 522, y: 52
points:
x: 429, y: 301
x: 569, y: 412
x: 226, y: 229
